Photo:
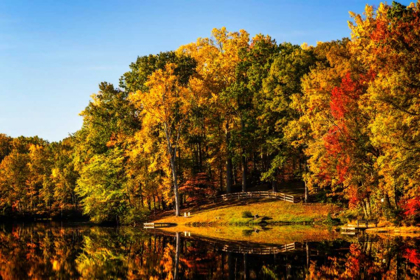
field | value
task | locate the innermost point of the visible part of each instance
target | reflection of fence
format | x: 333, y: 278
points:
x: 158, y: 225
x: 361, y: 223
x: 260, y: 194
x: 243, y: 249
x: 240, y: 247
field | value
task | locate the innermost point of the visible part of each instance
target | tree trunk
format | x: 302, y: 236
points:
x: 234, y: 174
x: 307, y: 255
x: 246, y: 270
x: 176, y: 263
x: 244, y: 163
x: 387, y: 201
x: 176, y: 193
x: 200, y: 158
x: 364, y: 209
x: 254, y: 162
x: 229, y: 165
x: 244, y: 173
x: 179, y: 159
x: 163, y: 204
x: 368, y: 206
x: 274, y: 185
x: 172, y: 155
x: 231, y: 268
x: 306, y: 185
x: 229, y: 175
x: 395, y: 196
x: 221, y: 175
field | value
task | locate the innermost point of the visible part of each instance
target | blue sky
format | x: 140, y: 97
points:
x: 53, y: 54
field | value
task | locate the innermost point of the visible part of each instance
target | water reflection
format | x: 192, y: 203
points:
x: 50, y: 251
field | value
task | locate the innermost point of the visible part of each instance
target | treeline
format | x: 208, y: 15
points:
x: 37, y: 177
x: 229, y: 112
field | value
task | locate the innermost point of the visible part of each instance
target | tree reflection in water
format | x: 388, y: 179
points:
x: 50, y: 251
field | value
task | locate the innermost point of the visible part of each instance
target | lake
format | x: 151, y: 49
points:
x: 74, y: 251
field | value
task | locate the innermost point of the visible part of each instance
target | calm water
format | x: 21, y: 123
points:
x: 49, y: 251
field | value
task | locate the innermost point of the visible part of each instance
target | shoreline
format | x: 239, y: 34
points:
x: 394, y: 230
x: 255, y: 213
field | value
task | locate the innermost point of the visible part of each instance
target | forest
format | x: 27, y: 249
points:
x: 230, y: 112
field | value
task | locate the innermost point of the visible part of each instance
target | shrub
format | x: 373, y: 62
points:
x: 247, y: 214
x: 348, y: 216
x: 199, y: 188
x: 247, y: 232
x: 410, y: 210
x: 133, y: 216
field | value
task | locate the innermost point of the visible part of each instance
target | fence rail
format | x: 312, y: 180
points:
x: 259, y: 194
x: 158, y: 225
x: 269, y: 250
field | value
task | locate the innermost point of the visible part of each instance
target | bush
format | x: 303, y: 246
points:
x: 331, y: 221
x: 247, y: 214
x: 410, y: 210
x: 247, y: 232
x: 348, y: 216
x: 133, y: 216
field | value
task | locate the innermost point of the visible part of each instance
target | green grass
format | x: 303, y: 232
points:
x: 230, y: 221
x: 275, y: 211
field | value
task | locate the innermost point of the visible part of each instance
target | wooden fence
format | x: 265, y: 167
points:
x: 158, y: 225
x: 266, y: 250
x: 259, y: 194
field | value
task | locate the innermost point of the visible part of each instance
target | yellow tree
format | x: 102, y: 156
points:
x: 165, y: 106
x: 5, y: 145
x: 386, y: 41
x: 217, y: 60
x: 151, y: 175
x: 333, y: 128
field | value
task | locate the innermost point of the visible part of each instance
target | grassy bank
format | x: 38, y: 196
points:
x: 270, y: 211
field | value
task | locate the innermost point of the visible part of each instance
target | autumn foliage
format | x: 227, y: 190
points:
x: 232, y: 112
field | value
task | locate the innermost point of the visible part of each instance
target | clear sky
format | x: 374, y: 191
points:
x: 53, y: 54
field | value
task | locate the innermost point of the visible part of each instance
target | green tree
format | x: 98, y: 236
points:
x: 283, y: 81
x: 109, y: 121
